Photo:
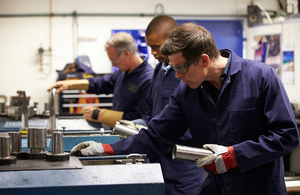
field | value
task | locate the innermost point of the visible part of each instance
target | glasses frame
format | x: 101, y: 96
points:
x: 182, y: 68
x: 113, y: 60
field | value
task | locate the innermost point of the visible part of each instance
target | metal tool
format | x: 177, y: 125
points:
x: 132, y: 159
x: 24, y: 115
x: 15, y: 140
x: 2, y: 105
x: 52, y: 117
x: 19, y: 106
x: 189, y: 153
x: 37, y: 141
x: 5, y: 157
x: 57, y: 151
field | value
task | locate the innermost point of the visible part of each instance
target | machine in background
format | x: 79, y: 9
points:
x: 40, y: 161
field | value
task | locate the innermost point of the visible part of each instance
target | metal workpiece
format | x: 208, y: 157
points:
x: 5, y: 157
x: 131, y: 159
x: 189, y: 153
x: 37, y: 141
x: 15, y: 140
x: 57, y: 143
x: 46, y: 111
x: 24, y: 115
x: 52, y: 117
x: 125, y: 129
x: 4, y: 144
x: 57, y: 151
x: 19, y: 108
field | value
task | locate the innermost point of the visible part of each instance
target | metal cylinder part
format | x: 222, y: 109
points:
x: 37, y: 139
x: 4, y: 147
x: 57, y: 152
x: 2, y: 107
x: 46, y: 109
x: 125, y: 129
x: 57, y: 143
x: 52, y: 117
x: 15, y: 142
x: 189, y: 153
x: 24, y: 116
x: 5, y: 158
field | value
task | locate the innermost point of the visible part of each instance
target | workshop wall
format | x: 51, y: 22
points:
x: 289, y: 33
x: 26, y: 26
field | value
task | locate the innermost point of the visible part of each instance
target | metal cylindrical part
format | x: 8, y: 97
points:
x: 4, y: 147
x: 52, y: 117
x: 15, y: 142
x: 57, y: 152
x: 189, y: 153
x: 46, y: 106
x: 57, y: 143
x: 24, y: 115
x: 37, y: 139
x: 125, y: 129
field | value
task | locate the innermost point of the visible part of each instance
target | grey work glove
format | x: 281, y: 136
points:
x: 88, y: 148
x: 221, y: 161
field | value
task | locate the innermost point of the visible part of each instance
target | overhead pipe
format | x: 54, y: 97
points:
x: 116, y: 15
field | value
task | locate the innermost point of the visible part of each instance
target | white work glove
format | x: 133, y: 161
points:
x: 221, y: 161
x: 130, y: 123
x: 88, y: 148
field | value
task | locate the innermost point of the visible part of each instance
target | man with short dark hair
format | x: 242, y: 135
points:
x: 235, y: 107
x: 181, y: 177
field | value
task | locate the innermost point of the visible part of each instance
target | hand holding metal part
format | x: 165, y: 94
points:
x: 220, y: 161
x: 127, y: 128
x: 189, y: 153
x: 130, y: 123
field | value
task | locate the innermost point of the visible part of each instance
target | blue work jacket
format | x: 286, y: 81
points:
x: 180, y: 177
x: 130, y: 90
x: 252, y: 113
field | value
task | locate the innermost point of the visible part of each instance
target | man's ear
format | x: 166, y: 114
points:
x: 204, y: 59
x: 126, y: 54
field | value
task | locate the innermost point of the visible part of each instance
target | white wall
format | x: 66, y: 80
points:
x: 20, y: 37
x: 289, y: 31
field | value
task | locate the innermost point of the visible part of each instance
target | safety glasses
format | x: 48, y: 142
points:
x: 113, y: 60
x: 182, y: 68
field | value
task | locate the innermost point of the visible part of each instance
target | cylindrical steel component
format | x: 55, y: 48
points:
x: 125, y: 129
x: 5, y: 157
x: 57, y: 143
x: 189, y: 153
x: 15, y: 142
x: 37, y: 139
x: 24, y: 115
x: 4, y: 147
x: 52, y: 117
x: 57, y: 152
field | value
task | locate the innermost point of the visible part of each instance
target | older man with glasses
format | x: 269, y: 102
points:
x: 129, y: 84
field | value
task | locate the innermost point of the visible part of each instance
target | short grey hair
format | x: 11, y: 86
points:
x: 122, y: 41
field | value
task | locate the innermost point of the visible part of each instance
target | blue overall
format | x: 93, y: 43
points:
x: 181, y: 177
x: 252, y: 113
x: 130, y: 90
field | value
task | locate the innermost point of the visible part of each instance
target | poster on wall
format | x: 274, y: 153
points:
x: 288, y: 63
x: 268, y: 50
